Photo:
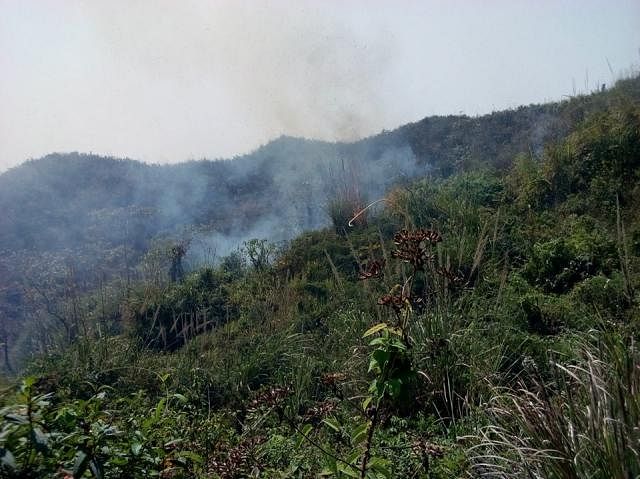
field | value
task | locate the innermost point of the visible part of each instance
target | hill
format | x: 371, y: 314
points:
x: 82, y: 220
x: 73, y: 200
x: 482, y: 324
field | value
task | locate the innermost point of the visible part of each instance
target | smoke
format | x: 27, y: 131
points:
x: 301, y: 177
x: 281, y: 67
x: 167, y: 81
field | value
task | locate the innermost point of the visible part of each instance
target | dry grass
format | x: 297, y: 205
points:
x: 584, y: 423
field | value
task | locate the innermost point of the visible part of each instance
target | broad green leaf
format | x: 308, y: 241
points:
x: 377, y: 387
x: 160, y: 408
x: 29, y: 381
x: 378, y: 341
x: 331, y: 467
x: 359, y: 434
x: 348, y: 470
x: 396, y: 343
x: 380, y: 466
x: 305, y: 433
x: 374, y: 367
x: 381, y: 357
x: 332, y: 423
x: 353, y: 456
x: 180, y: 397
x: 373, y: 387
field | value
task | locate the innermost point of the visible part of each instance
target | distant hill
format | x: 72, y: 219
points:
x: 76, y: 201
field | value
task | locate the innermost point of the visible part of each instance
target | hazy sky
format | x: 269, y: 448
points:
x: 165, y: 81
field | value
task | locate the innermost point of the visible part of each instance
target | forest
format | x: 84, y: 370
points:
x: 458, y: 297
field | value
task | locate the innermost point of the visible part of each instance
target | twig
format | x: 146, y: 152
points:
x: 367, y: 451
x: 350, y: 223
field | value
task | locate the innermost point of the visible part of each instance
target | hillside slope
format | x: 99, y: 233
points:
x: 479, y: 325
x: 73, y: 200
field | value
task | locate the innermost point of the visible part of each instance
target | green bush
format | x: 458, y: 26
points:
x: 93, y: 437
x: 167, y: 318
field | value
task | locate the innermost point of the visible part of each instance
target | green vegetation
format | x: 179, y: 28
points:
x: 483, y: 323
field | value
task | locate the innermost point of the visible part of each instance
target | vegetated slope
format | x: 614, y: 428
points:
x: 72, y: 200
x: 73, y: 222
x: 497, y: 336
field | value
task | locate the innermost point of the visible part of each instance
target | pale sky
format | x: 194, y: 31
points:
x: 167, y: 81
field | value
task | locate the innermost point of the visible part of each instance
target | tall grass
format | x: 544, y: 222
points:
x: 585, y: 422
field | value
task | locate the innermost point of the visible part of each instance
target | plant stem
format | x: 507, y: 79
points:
x: 368, y: 444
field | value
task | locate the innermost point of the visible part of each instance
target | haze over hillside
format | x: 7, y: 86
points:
x: 166, y: 81
x: 67, y: 201
x: 498, y: 285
